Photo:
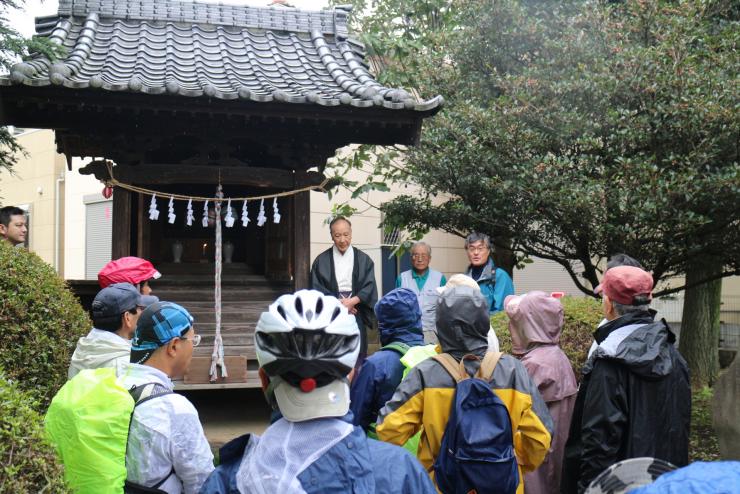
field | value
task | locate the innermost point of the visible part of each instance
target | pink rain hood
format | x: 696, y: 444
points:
x: 535, y: 323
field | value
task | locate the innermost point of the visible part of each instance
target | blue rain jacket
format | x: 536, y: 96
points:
x: 495, y: 284
x: 716, y: 477
x: 356, y: 464
x: 399, y: 320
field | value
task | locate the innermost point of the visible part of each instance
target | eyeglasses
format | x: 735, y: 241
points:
x: 195, y: 340
x: 419, y: 256
x: 477, y: 249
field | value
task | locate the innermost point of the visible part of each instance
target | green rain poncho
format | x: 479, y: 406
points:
x: 88, y: 423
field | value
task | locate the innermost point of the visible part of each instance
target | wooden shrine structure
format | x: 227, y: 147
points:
x: 182, y: 96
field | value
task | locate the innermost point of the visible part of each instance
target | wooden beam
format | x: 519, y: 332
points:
x: 152, y: 174
x: 121, y: 234
x: 301, y: 217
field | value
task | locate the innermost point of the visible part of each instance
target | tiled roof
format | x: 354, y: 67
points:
x: 210, y: 50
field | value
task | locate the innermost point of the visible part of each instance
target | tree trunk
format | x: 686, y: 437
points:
x: 699, y: 339
x: 503, y: 256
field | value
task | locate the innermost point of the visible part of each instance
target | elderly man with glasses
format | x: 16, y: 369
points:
x: 167, y: 448
x: 495, y: 283
x: 423, y: 281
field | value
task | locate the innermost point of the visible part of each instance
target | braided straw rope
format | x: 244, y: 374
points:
x: 112, y: 182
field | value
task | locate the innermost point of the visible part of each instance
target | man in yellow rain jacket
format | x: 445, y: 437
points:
x: 425, y: 395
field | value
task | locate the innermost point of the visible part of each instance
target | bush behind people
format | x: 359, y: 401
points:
x: 27, y: 461
x: 40, y: 322
x: 582, y: 316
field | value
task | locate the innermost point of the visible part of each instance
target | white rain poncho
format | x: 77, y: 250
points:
x: 165, y: 433
x: 99, y: 349
x: 284, y: 451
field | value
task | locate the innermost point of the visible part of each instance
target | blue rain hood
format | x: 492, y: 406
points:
x: 399, y: 317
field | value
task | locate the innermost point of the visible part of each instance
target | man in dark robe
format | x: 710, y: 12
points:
x: 348, y: 274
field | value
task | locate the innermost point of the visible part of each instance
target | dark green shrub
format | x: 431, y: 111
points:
x: 28, y: 462
x: 40, y: 322
x: 582, y: 316
x: 703, y: 442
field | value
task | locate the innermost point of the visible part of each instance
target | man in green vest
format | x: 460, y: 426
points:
x: 423, y: 281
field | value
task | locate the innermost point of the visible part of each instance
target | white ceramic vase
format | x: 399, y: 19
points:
x: 228, y: 252
x: 177, y: 251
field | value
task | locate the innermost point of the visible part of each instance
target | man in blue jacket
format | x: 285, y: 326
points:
x: 400, y: 328
x: 307, y: 344
x: 495, y: 283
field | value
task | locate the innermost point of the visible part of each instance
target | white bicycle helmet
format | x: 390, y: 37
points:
x: 307, y: 336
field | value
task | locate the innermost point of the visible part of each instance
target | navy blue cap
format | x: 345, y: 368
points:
x: 115, y: 299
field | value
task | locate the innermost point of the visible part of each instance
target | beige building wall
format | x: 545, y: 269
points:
x: 33, y: 185
x: 730, y: 311
x: 78, y: 187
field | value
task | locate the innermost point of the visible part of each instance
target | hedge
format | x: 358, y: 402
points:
x: 40, y: 322
x: 28, y: 462
x: 582, y: 316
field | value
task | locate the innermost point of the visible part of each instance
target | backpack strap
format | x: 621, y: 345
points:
x: 397, y: 346
x: 452, y: 366
x: 133, y: 488
x: 488, y: 365
x: 145, y: 392
x: 141, y: 394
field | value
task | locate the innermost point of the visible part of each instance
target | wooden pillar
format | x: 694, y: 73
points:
x: 121, y: 235
x: 301, y: 220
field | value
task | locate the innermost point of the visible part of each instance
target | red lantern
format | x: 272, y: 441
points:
x: 107, y: 192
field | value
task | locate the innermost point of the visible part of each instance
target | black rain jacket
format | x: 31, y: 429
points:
x: 634, y: 400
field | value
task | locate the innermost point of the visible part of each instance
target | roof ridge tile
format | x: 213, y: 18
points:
x: 328, y: 21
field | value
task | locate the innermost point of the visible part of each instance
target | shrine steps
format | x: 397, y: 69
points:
x: 244, y: 297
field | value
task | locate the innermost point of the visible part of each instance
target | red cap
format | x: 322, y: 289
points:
x: 132, y: 270
x: 623, y: 283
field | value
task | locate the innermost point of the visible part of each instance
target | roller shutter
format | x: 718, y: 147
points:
x: 98, y: 236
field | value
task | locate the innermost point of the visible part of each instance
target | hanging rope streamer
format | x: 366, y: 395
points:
x: 217, y: 357
x: 112, y: 182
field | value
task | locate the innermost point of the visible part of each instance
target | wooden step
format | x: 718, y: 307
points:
x: 175, y: 269
x: 192, y: 295
x: 206, y: 316
x: 245, y: 349
x: 253, y: 381
x: 199, y: 369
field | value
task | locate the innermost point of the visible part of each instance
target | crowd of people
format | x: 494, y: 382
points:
x: 438, y: 408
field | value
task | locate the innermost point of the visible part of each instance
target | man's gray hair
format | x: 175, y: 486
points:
x: 622, y: 309
x: 422, y: 244
x: 477, y: 237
